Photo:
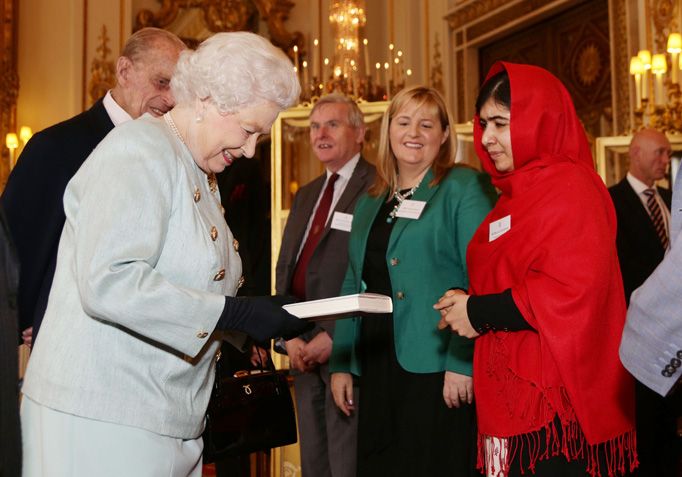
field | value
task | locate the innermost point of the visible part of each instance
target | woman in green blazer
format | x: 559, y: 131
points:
x: 414, y: 415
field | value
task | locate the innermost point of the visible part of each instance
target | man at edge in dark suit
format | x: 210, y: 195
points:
x: 640, y: 249
x: 643, y: 213
x: 312, y: 263
x: 33, y: 195
x: 10, y: 427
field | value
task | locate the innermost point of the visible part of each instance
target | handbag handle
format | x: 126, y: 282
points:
x: 267, y: 367
x: 247, y: 372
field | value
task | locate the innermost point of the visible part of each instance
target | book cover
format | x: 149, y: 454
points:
x: 334, y: 308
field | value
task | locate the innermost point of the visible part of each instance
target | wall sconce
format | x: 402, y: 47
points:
x: 12, y: 143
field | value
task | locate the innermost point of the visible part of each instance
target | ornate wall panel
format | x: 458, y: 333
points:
x: 573, y: 45
x: 589, y: 48
x: 9, y: 79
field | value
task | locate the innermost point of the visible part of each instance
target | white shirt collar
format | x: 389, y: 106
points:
x: 638, y: 186
x: 116, y: 113
x: 347, y: 170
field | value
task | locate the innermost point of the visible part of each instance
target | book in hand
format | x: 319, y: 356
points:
x: 360, y: 304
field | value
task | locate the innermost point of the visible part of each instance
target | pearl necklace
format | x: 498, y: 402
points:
x: 172, y: 126
x: 399, y: 197
x: 211, y: 177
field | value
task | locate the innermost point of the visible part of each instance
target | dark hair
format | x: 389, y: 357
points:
x: 497, y: 88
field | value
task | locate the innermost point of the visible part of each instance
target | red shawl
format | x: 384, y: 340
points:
x: 559, y: 259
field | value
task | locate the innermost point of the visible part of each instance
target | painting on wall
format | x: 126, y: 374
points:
x: 196, y: 20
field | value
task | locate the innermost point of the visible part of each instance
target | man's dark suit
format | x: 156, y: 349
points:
x: 639, y: 248
x: 639, y: 252
x: 10, y: 428
x: 324, y: 277
x: 33, y: 202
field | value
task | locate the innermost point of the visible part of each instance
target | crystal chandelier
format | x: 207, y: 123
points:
x: 349, y: 72
x: 347, y: 17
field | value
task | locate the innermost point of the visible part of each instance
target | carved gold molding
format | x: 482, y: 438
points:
x: 9, y: 78
x: 103, y: 70
x: 664, y: 17
x: 437, y: 68
x: 500, y: 11
x: 621, y: 67
x: 230, y: 15
x: 466, y: 14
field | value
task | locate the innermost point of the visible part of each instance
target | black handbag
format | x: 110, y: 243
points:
x: 248, y: 411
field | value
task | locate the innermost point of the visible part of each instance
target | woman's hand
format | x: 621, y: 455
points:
x: 27, y: 336
x: 261, y: 318
x: 448, y: 294
x: 259, y: 356
x: 453, y: 311
x: 458, y: 389
x: 342, y: 390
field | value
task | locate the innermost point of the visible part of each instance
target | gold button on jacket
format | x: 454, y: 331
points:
x: 219, y: 276
x: 214, y: 233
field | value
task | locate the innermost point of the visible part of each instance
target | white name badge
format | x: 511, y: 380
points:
x: 411, y: 209
x: 341, y: 221
x: 499, y: 228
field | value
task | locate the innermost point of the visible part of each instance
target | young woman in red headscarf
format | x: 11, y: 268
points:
x: 546, y: 302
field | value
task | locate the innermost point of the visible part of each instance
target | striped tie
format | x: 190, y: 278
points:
x: 656, y: 216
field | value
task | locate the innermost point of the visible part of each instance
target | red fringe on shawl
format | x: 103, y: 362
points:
x: 619, y: 454
x: 542, y: 409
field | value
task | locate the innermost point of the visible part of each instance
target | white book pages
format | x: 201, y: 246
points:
x: 341, y: 307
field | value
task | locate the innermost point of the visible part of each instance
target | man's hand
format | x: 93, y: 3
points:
x: 317, y: 350
x: 259, y: 356
x: 295, y: 351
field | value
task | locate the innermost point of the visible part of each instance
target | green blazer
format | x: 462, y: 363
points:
x: 425, y: 257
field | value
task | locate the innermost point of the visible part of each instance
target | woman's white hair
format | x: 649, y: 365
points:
x: 235, y: 69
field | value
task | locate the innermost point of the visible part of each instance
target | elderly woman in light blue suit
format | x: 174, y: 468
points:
x: 147, y: 270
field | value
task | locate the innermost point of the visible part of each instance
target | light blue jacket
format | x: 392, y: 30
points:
x: 128, y: 332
